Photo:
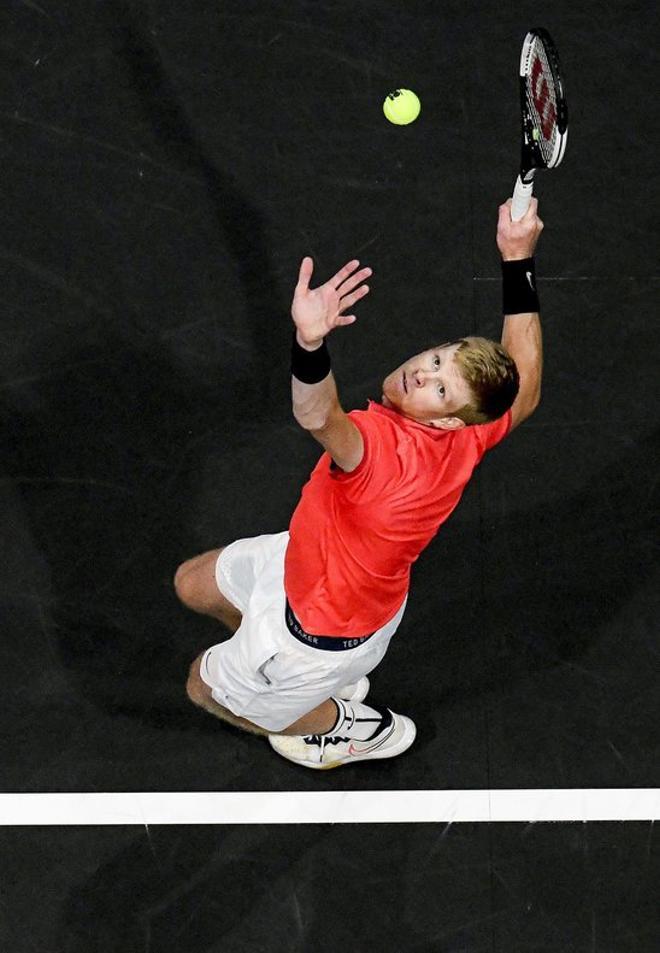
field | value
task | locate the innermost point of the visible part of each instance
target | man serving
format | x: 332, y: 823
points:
x: 313, y: 609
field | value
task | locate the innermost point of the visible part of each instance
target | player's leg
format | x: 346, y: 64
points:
x: 379, y: 730
x: 334, y: 732
x: 196, y: 586
x: 264, y: 681
x: 320, y: 720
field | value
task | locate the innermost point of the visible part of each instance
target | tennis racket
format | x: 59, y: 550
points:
x: 544, y: 115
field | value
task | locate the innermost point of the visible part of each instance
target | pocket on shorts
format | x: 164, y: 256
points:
x: 265, y: 672
x: 291, y: 670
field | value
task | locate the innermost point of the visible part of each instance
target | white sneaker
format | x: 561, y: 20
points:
x: 323, y: 752
x: 357, y: 692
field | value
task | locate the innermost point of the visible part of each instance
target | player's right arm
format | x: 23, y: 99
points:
x: 521, y: 333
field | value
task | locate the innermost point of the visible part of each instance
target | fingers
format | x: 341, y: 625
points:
x: 351, y: 283
x: 343, y: 273
x: 348, y: 301
x: 532, y: 210
x: 345, y: 280
x: 531, y: 217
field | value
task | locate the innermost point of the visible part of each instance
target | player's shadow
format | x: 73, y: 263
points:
x: 105, y: 467
x: 562, y: 574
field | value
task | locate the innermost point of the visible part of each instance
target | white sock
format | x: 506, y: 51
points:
x: 357, y: 720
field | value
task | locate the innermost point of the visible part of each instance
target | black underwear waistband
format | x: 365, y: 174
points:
x: 330, y: 643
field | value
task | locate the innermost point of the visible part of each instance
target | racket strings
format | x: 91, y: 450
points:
x: 542, y: 97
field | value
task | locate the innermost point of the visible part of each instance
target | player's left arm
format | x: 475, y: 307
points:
x: 521, y: 333
x: 316, y: 405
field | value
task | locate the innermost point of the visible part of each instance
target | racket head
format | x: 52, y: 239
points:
x: 543, y: 104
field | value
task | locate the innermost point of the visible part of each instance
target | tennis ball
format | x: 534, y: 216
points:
x: 401, y: 107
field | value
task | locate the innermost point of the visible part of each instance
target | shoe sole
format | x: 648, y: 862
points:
x: 402, y: 745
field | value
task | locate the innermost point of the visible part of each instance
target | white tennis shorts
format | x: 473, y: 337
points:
x: 262, y: 672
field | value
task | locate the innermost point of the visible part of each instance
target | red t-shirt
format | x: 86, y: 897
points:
x: 354, y: 536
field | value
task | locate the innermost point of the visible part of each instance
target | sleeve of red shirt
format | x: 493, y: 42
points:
x: 490, y: 434
x: 379, y: 465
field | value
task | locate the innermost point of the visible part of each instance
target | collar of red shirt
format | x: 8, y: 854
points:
x: 406, y: 423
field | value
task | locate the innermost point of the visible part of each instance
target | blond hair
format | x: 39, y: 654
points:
x: 492, y: 376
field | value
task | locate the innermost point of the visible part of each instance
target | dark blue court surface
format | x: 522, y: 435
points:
x: 166, y: 166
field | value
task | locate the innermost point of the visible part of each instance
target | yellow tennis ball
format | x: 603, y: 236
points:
x: 401, y: 107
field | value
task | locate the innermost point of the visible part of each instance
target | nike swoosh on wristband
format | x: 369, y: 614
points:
x: 529, y: 279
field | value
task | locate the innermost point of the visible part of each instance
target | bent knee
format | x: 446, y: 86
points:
x: 194, y: 580
x: 184, y: 582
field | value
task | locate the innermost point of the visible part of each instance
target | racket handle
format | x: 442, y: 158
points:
x: 522, y: 195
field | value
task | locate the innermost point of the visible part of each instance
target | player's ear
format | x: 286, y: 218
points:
x: 448, y: 423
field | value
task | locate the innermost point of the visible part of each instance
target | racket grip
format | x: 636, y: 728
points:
x: 522, y: 195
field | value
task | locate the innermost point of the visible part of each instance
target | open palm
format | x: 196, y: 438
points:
x: 317, y: 311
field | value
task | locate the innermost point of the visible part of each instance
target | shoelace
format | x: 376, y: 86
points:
x: 322, y: 740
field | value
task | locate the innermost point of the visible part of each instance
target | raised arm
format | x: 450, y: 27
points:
x: 316, y: 404
x: 521, y: 333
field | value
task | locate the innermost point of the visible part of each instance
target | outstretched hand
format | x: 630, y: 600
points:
x: 318, y: 311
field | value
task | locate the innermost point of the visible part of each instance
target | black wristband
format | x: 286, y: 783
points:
x: 519, y: 293
x: 310, y: 367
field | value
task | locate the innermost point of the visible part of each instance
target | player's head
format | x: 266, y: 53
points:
x: 469, y: 381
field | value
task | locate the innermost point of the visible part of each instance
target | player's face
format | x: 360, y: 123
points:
x: 428, y: 388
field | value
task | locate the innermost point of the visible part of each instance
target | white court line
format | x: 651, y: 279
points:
x: 585, y: 278
x: 331, y: 807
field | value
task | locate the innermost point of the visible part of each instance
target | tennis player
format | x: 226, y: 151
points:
x: 313, y: 609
